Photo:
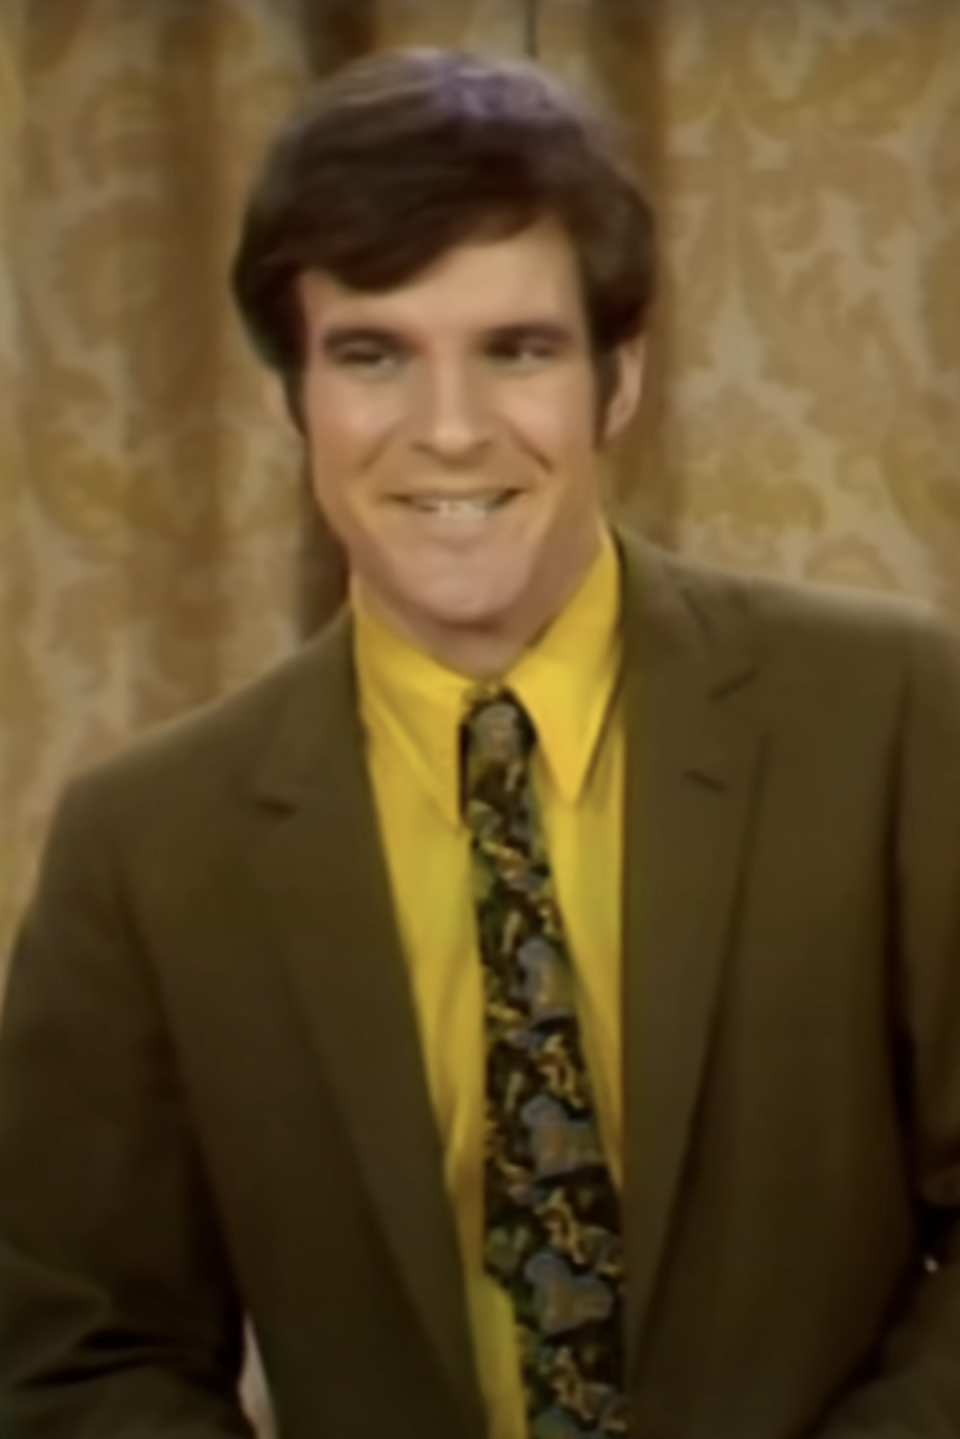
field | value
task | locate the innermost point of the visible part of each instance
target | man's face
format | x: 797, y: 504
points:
x: 452, y: 434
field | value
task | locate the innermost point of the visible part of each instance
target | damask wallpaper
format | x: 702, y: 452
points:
x: 148, y: 510
x: 801, y: 415
x: 810, y: 167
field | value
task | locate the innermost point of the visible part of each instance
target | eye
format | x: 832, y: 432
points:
x: 524, y: 352
x: 368, y: 358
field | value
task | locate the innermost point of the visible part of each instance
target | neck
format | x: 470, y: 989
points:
x: 478, y: 655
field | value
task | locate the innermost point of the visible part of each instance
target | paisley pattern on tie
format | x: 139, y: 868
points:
x: 552, y: 1224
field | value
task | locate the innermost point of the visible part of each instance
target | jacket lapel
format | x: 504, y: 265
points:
x: 327, y: 887
x: 693, y: 746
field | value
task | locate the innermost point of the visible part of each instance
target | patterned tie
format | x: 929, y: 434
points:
x: 552, y: 1219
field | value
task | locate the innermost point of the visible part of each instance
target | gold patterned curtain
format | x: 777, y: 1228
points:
x: 148, y: 513
x: 802, y: 413
x: 806, y: 160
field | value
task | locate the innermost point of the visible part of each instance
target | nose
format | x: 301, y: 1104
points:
x: 452, y: 422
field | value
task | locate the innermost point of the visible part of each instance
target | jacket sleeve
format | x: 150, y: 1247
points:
x: 118, y: 1313
x: 914, y: 1387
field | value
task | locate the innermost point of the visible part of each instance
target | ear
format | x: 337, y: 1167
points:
x: 625, y: 396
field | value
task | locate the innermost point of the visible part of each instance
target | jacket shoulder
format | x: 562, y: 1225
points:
x: 778, y: 610
x: 213, y: 748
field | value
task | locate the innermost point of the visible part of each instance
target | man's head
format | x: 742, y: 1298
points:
x: 446, y: 265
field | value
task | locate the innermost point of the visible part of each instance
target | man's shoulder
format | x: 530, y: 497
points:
x: 770, y: 612
x: 216, y: 747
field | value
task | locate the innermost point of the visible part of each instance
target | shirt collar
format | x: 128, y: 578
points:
x: 565, y: 681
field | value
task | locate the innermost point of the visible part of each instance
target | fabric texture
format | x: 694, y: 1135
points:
x: 553, y: 1231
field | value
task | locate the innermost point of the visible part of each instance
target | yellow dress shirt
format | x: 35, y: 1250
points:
x: 411, y: 708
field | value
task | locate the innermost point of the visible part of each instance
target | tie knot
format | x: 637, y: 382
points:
x: 497, y: 728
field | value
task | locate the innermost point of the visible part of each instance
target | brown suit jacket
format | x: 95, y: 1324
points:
x: 213, y: 1099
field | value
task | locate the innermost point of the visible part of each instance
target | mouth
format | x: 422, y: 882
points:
x: 458, y: 507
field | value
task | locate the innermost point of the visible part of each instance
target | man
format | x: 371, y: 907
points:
x: 535, y: 1005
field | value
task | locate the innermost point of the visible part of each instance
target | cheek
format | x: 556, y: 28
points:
x: 344, y: 427
x: 555, y: 420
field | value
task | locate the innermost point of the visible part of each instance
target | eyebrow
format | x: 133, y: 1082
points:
x: 553, y: 331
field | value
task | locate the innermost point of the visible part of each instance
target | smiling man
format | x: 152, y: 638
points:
x: 536, y: 1005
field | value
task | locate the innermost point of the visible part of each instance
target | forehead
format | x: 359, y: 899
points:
x: 475, y: 286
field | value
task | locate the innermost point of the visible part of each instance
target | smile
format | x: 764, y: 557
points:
x: 460, y: 507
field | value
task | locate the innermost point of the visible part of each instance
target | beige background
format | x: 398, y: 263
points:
x: 802, y: 415
x: 803, y: 407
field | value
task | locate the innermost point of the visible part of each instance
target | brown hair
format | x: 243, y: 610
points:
x: 401, y: 156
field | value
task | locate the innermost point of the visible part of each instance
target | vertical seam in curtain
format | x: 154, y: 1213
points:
x: 530, y: 27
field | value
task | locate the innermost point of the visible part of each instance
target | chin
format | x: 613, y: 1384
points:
x: 463, y: 605
x: 467, y: 616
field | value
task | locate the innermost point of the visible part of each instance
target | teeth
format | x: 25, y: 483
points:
x: 453, y: 509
